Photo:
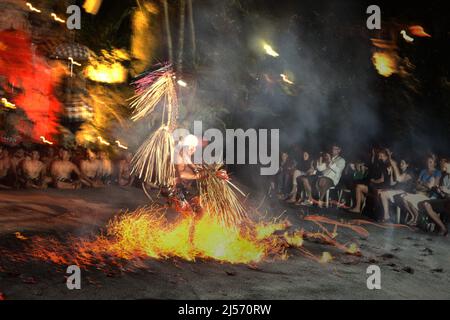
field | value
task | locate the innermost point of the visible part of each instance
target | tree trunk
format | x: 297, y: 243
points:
x: 181, y: 35
x: 192, y: 29
x: 168, y: 33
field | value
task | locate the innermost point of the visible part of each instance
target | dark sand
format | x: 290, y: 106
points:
x: 414, y: 264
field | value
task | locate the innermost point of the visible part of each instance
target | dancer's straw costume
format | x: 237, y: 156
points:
x: 154, y: 161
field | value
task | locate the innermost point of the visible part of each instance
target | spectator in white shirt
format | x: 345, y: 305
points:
x: 330, y: 167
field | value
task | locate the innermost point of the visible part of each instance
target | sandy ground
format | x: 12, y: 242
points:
x: 414, y: 265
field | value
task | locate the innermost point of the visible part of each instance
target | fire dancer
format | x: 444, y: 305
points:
x: 185, y: 195
x: 34, y: 173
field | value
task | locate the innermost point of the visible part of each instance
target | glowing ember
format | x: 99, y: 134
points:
x: 384, y: 63
x: 326, y: 257
x: 20, y: 236
x: 418, y: 31
x: 269, y: 50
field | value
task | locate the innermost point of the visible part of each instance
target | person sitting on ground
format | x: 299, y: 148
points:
x: 403, y: 177
x: 16, y: 165
x: 62, y: 170
x: 106, y: 168
x: 48, y: 158
x: 90, y: 168
x: 126, y: 179
x: 438, y: 209
x: 5, y: 169
x: 330, y: 168
x: 381, y: 178
x: 428, y: 180
x: 34, y: 172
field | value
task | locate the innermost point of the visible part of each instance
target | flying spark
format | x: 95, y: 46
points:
x: 286, y: 79
x: 29, y: 5
x: 182, y: 83
x: 269, y: 50
x: 120, y: 145
x: 58, y: 19
x: 406, y: 37
x: 8, y: 104
x: 74, y: 62
x: 102, y: 141
x: 45, y: 140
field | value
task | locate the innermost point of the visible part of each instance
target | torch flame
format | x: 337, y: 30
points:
x: 384, y: 63
x: 418, y: 31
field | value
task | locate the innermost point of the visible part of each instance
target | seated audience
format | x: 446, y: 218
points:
x: 403, y: 183
x: 380, y: 178
x: 34, y: 172
x: 106, y: 168
x: 90, y: 168
x: 126, y: 179
x: 5, y: 169
x: 304, y: 168
x: 63, y: 170
x: 427, y: 181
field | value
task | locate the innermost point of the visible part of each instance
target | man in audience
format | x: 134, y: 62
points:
x: 34, y: 172
x: 90, y: 169
x: 106, y: 168
x: 330, y: 168
x: 62, y: 171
